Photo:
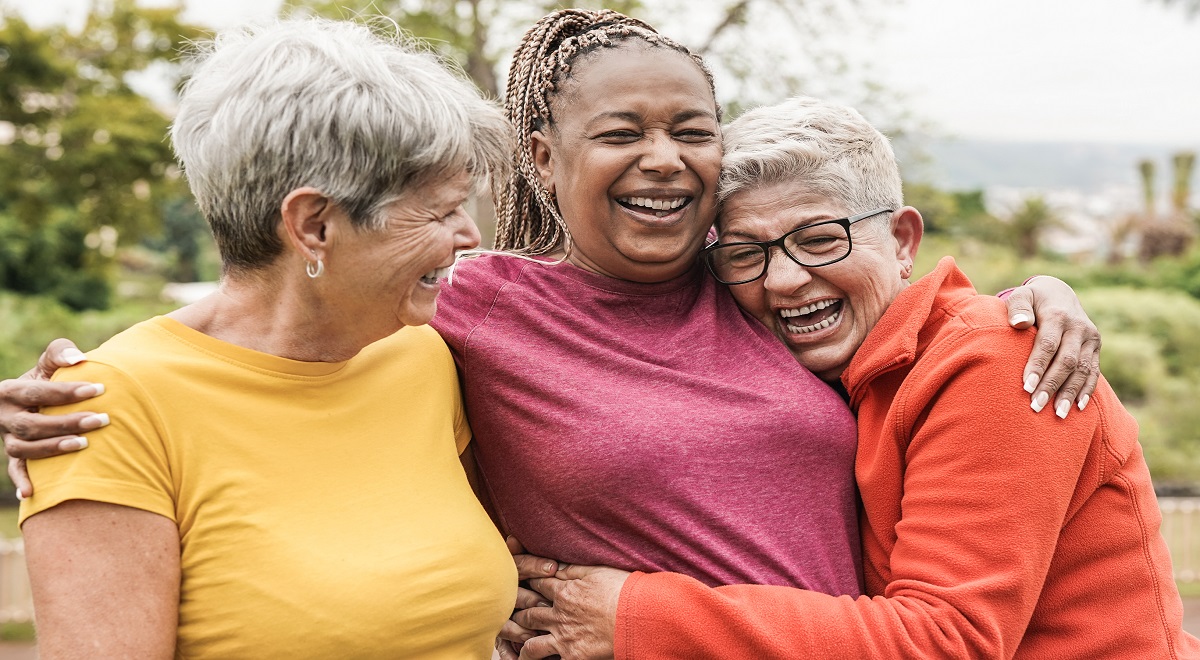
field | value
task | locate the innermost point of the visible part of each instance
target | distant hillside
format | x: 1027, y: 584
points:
x: 1089, y: 168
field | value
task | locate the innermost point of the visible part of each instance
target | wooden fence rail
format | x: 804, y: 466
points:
x: 1180, y: 528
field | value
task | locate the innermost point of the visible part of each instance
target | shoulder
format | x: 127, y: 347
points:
x: 141, y: 350
x: 408, y: 344
x: 976, y: 326
x: 475, y: 288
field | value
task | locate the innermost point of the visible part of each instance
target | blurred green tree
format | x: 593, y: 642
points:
x: 803, y: 51
x: 84, y: 162
x: 1028, y: 224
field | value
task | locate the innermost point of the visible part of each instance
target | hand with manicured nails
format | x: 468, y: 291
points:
x: 1065, y: 364
x: 29, y: 434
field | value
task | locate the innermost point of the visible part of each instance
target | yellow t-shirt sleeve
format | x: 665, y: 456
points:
x: 125, y: 462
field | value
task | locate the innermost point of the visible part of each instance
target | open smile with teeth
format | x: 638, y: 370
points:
x: 659, y: 207
x: 436, y: 274
x: 810, y: 318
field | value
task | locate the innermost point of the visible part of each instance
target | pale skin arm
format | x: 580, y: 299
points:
x: 105, y: 581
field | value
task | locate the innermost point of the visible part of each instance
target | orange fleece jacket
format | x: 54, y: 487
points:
x: 988, y: 531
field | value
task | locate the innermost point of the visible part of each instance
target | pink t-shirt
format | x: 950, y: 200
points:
x: 651, y: 427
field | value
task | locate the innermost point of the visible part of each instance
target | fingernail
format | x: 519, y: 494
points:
x: 94, y: 421
x: 1083, y: 401
x: 73, y: 356
x: 90, y: 390
x: 1039, y: 401
x: 542, y: 603
x: 20, y: 496
x: 550, y: 567
x: 1031, y: 382
x: 1062, y: 409
x: 1018, y: 318
x: 73, y: 444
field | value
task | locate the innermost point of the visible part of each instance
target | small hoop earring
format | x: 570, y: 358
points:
x: 315, y: 270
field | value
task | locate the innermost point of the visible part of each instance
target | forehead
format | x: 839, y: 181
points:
x: 766, y: 211
x: 633, y: 78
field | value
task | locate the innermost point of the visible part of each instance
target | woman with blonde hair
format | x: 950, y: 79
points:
x: 215, y: 515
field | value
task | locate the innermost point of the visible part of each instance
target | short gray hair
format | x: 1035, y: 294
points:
x: 362, y: 115
x: 830, y: 149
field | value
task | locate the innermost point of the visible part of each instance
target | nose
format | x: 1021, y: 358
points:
x: 662, y: 157
x: 466, y: 235
x: 784, y: 276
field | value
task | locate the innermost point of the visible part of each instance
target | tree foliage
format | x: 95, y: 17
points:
x: 83, y: 157
x: 761, y: 50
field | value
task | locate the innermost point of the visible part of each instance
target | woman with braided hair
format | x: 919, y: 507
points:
x: 625, y: 411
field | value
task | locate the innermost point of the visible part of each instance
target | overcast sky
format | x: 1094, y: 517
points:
x: 1042, y: 70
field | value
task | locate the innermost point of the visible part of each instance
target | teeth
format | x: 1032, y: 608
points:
x: 804, y: 329
x: 436, y: 274
x: 656, y: 204
x: 807, y: 309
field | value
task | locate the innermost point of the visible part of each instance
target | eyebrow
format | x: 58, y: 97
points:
x: 738, y: 236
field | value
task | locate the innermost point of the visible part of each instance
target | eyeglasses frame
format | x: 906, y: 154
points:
x: 766, y: 246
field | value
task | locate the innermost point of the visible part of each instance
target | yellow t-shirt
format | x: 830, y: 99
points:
x: 322, y: 509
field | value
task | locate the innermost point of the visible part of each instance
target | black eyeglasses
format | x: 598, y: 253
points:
x: 819, y: 244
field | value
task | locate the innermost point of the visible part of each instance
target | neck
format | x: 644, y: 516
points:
x: 276, y: 312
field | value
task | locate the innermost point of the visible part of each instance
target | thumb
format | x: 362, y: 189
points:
x: 1020, y: 308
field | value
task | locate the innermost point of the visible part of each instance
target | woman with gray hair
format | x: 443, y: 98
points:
x: 212, y: 517
x: 986, y: 533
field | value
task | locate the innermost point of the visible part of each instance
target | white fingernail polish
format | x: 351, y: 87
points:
x: 20, y: 496
x: 90, y: 390
x: 94, y: 421
x: 1083, y: 401
x: 73, y: 444
x: 73, y: 356
x: 1018, y: 318
x: 1031, y: 382
x: 1039, y: 401
x: 1062, y: 409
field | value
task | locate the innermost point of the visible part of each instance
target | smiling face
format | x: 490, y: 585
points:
x: 389, y: 277
x: 633, y: 158
x: 822, y: 314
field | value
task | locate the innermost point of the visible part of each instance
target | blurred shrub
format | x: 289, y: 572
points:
x: 1170, y: 318
x: 1132, y: 364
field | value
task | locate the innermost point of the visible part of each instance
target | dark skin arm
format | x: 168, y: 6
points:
x: 1063, y: 369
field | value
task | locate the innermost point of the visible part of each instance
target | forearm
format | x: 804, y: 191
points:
x: 667, y: 615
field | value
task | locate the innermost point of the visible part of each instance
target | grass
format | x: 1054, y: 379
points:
x: 17, y: 631
x: 8, y: 522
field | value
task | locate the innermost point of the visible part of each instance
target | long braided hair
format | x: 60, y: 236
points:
x: 527, y: 216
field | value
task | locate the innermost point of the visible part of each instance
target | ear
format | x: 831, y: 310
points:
x: 907, y: 229
x: 542, y: 150
x: 306, y: 214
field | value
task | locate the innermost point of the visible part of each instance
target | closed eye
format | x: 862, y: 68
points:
x: 695, y: 135
x: 619, y: 136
